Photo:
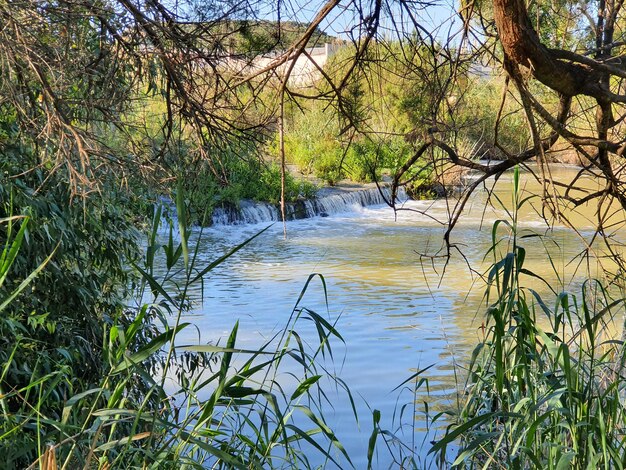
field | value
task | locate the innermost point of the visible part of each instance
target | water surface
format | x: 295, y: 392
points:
x: 400, y: 306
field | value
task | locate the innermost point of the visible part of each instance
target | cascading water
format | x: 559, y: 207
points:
x: 338, y: 201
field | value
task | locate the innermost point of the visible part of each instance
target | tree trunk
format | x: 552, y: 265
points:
x: 523, y: 47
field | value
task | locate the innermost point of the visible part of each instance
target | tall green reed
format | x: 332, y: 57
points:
x: 163, y: 404
x: 545, y: 387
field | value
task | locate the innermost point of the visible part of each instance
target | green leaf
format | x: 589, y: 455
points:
x: 306, y: 435
x: 304, y: 386
x: 326, y: 431
x: 225, y: 457
x: 27, y: 281
x: 181, y: 213
x: 153, y: 346
x: 123, y: 441
x: 565, y: 461
x: 155, y: 286
x: 372, y: 440
x: 223, y: 258
x: 209, y: 348
x: 8, y: 256
x: 452, y: 435
x: 413, y: 376
x: 75, y: 399
x: 240, y: 392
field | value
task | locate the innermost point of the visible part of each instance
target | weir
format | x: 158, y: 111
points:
x: 328, y: 202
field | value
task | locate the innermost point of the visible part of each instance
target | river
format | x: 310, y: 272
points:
x: 397, y: 310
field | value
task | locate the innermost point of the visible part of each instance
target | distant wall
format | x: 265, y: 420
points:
x: 305, y: 72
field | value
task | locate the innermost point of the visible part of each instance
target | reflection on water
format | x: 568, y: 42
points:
x: 397, y: 313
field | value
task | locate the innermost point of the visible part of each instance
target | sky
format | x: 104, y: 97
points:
x: 437, y: 16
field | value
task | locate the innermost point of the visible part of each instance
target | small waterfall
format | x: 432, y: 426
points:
x: 335, y: 201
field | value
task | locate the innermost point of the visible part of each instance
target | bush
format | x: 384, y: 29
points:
x: 52, y: 337
x: 478, y: 112
x: 312, y: 144
x: 371, y: 157
x: 247, y: 178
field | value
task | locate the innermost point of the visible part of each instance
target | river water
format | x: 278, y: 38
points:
x: 397, y: 310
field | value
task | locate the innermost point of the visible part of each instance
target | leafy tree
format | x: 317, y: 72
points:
x: 562, y: 71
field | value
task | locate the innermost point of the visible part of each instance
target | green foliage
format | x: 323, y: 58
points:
x: 254, y: 37
x: 313, y: 144
x: 246, y: 176
x: 561, y: 24
x: 52, y: 335
x: 477, y: 116
x: 65, y: 282
x: 545, y: 386
x: 369, y: 158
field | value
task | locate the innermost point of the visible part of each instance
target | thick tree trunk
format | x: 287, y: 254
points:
x: 523, y: 47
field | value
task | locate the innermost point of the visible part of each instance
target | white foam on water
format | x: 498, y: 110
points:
x: 341, y: 202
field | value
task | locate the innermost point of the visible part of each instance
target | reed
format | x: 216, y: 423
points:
x: 545, y: 387
x: 163, y: 404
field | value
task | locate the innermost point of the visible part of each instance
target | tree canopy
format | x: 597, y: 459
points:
x: 77, y: 78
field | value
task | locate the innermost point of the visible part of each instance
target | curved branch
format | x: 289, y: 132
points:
x: 522, y: 46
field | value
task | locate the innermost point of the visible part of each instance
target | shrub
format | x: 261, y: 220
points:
x: 52, y: 337
x: 247, y: 177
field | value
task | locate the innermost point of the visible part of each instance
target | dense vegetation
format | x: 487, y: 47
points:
x: 545, y: 386
x: 254, y: 37
x: 106, y: 107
